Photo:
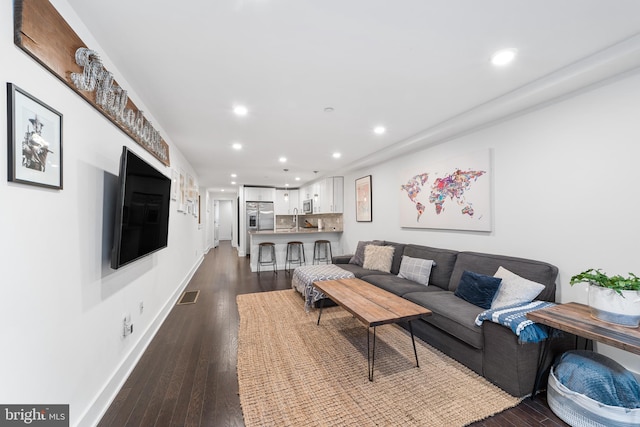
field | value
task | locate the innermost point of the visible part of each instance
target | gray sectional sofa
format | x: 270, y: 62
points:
x: 491, y: 350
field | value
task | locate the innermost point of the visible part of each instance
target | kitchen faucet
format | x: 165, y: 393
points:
x: 295, y: 218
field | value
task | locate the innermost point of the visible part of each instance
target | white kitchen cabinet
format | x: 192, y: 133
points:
x: 338, y: 195
x: 325, y: 194
x: 294, y: 201
x: 305, y: 193
x: 318, y: 191
x: 328, y: 195
x: 286, y: 201
x: 259, y: 194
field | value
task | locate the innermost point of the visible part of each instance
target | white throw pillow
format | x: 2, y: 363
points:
x: 514, y: 289
x: 415, y: 269
x: 378, y: 258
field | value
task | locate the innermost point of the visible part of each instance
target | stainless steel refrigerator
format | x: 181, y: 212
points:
x: 259, y: 217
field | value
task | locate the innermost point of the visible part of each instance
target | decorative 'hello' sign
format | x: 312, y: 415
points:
x: 43, y: 33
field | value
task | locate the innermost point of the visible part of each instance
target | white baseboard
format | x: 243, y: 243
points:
x: 101, y: 403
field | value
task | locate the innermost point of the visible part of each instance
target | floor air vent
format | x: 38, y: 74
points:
x: 189, y: 297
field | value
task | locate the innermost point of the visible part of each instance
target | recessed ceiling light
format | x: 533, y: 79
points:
x: 233, y: 175
x: 336, y: 155
x: 379, y: 130
x: 222, y: 189
x: 240, y: 110
x: 329, y: 110
x: 282, y: 159
x: 503, y: 57
x: 233, y: 183
x: 236, y: 146
x: 286, y: 185
x: 297, y: 178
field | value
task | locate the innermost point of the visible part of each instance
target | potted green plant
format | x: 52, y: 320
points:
x: 614, y: 299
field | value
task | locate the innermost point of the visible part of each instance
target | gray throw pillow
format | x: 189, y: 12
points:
x: 416, y: 269
x: 358, y: 257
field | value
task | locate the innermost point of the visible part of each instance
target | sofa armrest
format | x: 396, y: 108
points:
x: 342, y: 259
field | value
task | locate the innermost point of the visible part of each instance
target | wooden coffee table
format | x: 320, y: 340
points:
x: 373, y: 307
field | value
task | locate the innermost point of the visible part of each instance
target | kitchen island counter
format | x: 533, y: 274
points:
x: 280, y: 237
x: 301, y: 230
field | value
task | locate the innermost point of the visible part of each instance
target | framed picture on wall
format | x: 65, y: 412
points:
x: 182, y: 205
x: 363, y: 199
x: 34, y: 140
x: 190, y: 188
x: 175, y: 184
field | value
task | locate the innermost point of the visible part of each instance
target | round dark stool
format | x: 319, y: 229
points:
x: 267, y: 256
x: 322, y: 251
x: 295, y: 255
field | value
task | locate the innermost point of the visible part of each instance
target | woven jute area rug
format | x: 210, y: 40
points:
x: 293, y: 372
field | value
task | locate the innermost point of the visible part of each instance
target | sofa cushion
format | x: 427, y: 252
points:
x: 444, y: 260
x: 395, y: 285
x: 378, y: 258
x: 451, y: 314
x: 488, y: 264
x: 359, y: 271
x: 358, y: 257
x: 514, y: 289
x: 478, y: 289
x: 416, y: 269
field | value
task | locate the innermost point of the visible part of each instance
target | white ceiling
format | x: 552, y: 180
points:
x: 419, y: 67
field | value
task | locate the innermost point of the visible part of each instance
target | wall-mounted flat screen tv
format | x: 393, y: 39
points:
x: 142, y: 210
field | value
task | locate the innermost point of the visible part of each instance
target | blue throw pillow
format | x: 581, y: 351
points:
x: 477, y: 289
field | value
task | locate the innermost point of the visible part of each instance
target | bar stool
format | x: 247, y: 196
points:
x: 270, y: 249
x: 318, y: 247
x: 294, y: 248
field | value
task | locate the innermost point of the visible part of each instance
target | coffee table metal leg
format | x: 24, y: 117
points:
x: 371, y: 353
x: 320, y: 312
x: 413, y: 341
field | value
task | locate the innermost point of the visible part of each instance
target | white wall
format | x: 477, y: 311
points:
x: 61, y: 321
x: 565, y: 190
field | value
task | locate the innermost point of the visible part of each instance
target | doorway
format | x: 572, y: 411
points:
x: 225, y: 223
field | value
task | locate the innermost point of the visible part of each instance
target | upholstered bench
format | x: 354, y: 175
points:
x: 303, y: 278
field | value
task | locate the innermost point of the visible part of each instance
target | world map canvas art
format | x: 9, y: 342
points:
x: 453, y: 194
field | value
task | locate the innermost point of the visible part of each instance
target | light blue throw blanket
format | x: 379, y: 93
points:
x: 599, y: 378
x: 515, y: 317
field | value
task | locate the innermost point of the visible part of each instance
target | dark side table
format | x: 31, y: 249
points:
x: 575, y: 318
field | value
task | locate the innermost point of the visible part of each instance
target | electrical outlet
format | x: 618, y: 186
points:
x: 127, y: 326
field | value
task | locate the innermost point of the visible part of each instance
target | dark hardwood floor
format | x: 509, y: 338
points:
x: 187, y: 376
